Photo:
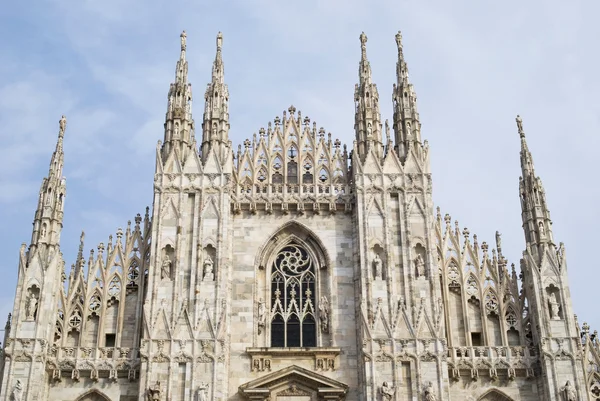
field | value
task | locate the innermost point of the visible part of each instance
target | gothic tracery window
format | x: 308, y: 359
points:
x: 293, y: 322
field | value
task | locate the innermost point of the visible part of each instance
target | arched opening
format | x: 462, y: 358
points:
x: 93, y: 395
x: 494, y: 395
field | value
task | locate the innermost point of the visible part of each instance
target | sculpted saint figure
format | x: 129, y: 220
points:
x: 568, y: 392
x: 165, y: 271
x: 324, y: 314
x: 420, y: 266
x: 17, y: 392
x: 203, y: 392
x: 31, y: 307
x: 208, y: 269
x: 154, y: 393
x: 554, y: 306
x: 428, y: 394
x: 387, y: 391
x: 377, y: 266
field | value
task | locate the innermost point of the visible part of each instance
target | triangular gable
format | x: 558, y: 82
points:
x: 294, y: 380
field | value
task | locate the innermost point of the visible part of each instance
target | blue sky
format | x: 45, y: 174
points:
x: 475, y: 65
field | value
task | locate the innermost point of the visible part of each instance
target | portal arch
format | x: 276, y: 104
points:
x: 93, y: 395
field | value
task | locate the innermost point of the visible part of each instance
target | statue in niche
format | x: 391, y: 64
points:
x: 43, y: 233
x: 542, y: 230
x: 31, y: 307
x: 420, y: 266
x: 324, y: 314
x: 154, y: 393
x: 17, y: 392
x: 428, y: 392
x: 203, y: 392
x: 208, y: 269
x: 377, y: 266
x: 262, y: 314
x: 554, y: 306
x: 387, y: 391
x: 165, y: 271
x: 568, y: 392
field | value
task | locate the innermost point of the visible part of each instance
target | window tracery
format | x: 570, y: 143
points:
x: 293, y: 279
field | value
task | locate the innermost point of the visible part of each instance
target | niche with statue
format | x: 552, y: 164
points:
x: 555, y: 309
x: 167, y: 261
x: 419, y: 258
x: 32, y: 302
x: 209, y: 263
x: 377, y: 263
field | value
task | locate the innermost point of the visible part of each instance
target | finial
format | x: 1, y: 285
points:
x: 519, y: 121
x: 62, y: 124
x: 399, y: 41
x: 219, y: 41
x: 183, y: 37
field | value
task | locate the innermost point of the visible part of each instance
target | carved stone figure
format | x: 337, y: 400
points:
x: 377, y: 266
x: 154, y: 393
x: 262, y: 312
x: 165, y: 271
x: 428, y: 392
x: 31, y: 307
x: 387, y: 391
x: 324, y: 314
x: 62, y: 124
x: 17, y: 392
x: 419, y: 266
x: 568, y: 392
x: 554, y: 306
x: 208, y: 269
x: 203, y: 392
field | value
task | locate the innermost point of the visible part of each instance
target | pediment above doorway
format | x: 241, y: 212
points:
x: 294, y: 384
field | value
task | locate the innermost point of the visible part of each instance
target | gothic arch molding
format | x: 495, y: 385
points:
x: 93, y: 395
x: 494, y: 395
x: 288, y: 232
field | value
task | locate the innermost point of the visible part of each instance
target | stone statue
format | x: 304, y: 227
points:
x: 203, y: 392
x: 519, y: 124
x: 428, y: 392
x: 17, y: 392
x: 377, y: 266
x: 154, y: 393
x: 31, y: 307
x: 542, y: 230
x: 568, y: 392
x: 420, y: 266
x: 324, y: 314
x: 165, y: 271
x: 208, y: 269
x: 183, y: 37
x: 554, y: 306
x: 498, y: 240
x: 62, y: 124
x: 387, y: 391
x: 262, y: 314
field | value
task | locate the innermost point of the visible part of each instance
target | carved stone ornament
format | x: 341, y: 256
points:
x: 387, y: 391
x: 428, y: 392
x: 202, y: 392
x: 294, y: 391
x: 154, y: 393
x: 568, y: 392
x: 17, y: 391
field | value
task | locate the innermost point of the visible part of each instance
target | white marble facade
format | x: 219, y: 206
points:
x: 295, y: 268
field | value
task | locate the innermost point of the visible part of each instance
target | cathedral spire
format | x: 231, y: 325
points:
x: 47, y: 224
x: 215, y: 127
x: 535, y: 214
x: 367, y: 120
x: 179, y: 124
x: 407, y: 127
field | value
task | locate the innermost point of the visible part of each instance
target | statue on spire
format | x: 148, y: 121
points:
x: 363, y: 43
x: 219, y: 41
x: 62, y: 124
x: 520, y: 126
x: 183, y: 37
x: 399, y: 41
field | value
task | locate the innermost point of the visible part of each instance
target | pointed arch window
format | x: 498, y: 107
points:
x: 293, y: 322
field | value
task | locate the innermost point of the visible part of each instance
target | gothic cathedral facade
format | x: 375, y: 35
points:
x: 293, y: 267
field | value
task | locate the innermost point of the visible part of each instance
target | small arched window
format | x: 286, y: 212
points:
x: 293, y: 292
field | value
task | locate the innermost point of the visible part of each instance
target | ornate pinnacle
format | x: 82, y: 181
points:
x: 183, y: 37
x: 519, y: 121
